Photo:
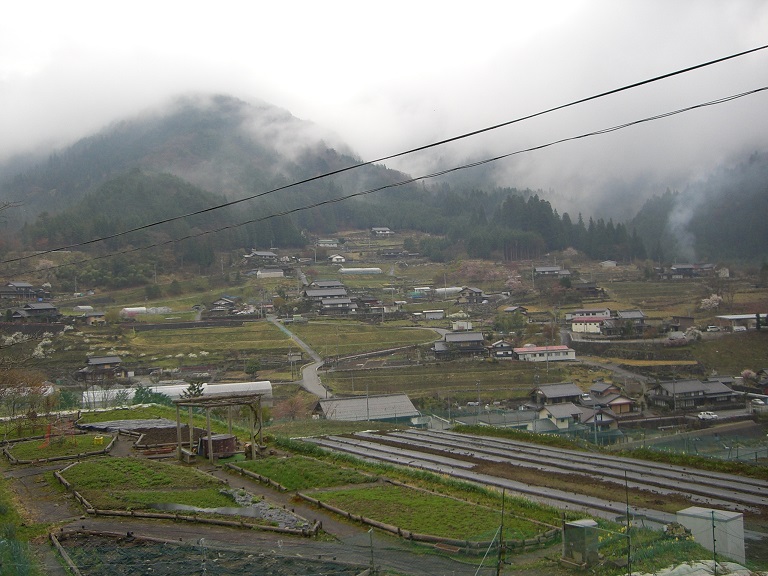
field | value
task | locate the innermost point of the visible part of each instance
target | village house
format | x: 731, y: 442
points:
x: 544, y: 353
x: 434, y: 314
x: 336, y: 259
x: 600, y: 420
x: 94, y: 318
x: 316, y: 295
x: 100, y: 369
x: 460, y: 344
x: 325, y: 284
x: 588, y: 290
x: 470, y: 295
x: 337, y: 306
x: 516, y: 310
x: 551, y: 271
x: 36, y: 312
x: 556, y: 394
x: 270, y: 272
x: 262, y: 257
x: 561, y: 416
x: 601, y: 313
x: 21, y: 291
x: 381, y: 231
x: 501, y: 349
x: 605, y: 394
x: 692, y: 395
x: 588, y: 324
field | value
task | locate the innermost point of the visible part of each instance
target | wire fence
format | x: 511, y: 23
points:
x: 750, y: 445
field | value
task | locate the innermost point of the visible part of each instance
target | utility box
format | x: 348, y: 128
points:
x: 720, y: 531
x: 580, y: 543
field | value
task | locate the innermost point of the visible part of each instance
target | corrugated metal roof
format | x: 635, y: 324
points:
x: 560, y: 390
x: 361, y: 408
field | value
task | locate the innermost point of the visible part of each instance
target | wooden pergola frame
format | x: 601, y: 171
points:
x: 253, y: 401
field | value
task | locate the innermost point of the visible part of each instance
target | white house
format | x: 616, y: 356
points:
x: 544, y: 353
x: 434, y: 314
x: 337, y: 259
x: 588, y: 324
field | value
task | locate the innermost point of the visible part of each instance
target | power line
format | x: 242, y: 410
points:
x: 411, y: 180
x: 399, y: 154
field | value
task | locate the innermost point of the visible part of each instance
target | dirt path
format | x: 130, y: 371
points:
x: 43, y: 502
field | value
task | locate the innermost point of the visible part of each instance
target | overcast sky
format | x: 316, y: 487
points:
x: 389, y: 76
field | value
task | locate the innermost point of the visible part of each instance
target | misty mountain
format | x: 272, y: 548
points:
x: 121, y: 207
x: 219, y: 144
x: 200, y: 152
x: 724, y: 217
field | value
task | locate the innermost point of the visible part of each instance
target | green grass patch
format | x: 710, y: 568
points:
x: 56, y: 446
x: 427, y: 513
x: 130, y: 484
x: 144, y: 499
x: 301, y: 473
x: 713, y: 464
x: 345, y: 338
x: 253, y: 338
x: 520, y: 436
x: 444, y: 382
x: 442, y: 484
x: 14, y: 536
x: 132, y: 473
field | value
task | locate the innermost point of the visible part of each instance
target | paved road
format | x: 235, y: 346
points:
x: 310, y: 379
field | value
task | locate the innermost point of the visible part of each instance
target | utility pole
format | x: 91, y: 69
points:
x: 477, y: 384
x: 714, y: 548
x: 500, y: 561
x: 629, y: 525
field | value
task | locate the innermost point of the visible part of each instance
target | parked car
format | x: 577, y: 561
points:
x: 707, y: 416
x: 757, y: 402
x: 713, y: 328
x: 739, y: 328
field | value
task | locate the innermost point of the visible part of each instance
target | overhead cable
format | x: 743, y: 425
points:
x: 397, y: 155
x: 417, y: 178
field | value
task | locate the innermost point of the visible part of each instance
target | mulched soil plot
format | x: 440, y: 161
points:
x: 128, y: 556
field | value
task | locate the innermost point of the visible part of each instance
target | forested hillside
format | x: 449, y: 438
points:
x: 205, y: 152
x: 723, y: 217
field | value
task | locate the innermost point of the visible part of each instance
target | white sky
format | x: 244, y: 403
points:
x: 390, y: 76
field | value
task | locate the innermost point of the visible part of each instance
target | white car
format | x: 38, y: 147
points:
x: 707, y: 416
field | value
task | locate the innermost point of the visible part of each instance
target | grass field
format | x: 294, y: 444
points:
x: 344, y: 338
x: 427, y: 513
x: 252, y: 339
x: 66, y: 445
x: 130, y: 483
x: 301, y: 473
x: 457, y: 381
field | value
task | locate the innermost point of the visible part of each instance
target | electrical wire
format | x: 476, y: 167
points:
x: 399, y: 154
x: 408, y: 181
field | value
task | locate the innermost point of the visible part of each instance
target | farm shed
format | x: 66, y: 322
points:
x: 253, y: 401
x: 719, y: 530
x: 434, y: 314
x: 223, y: 445
x: 385, y: 407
